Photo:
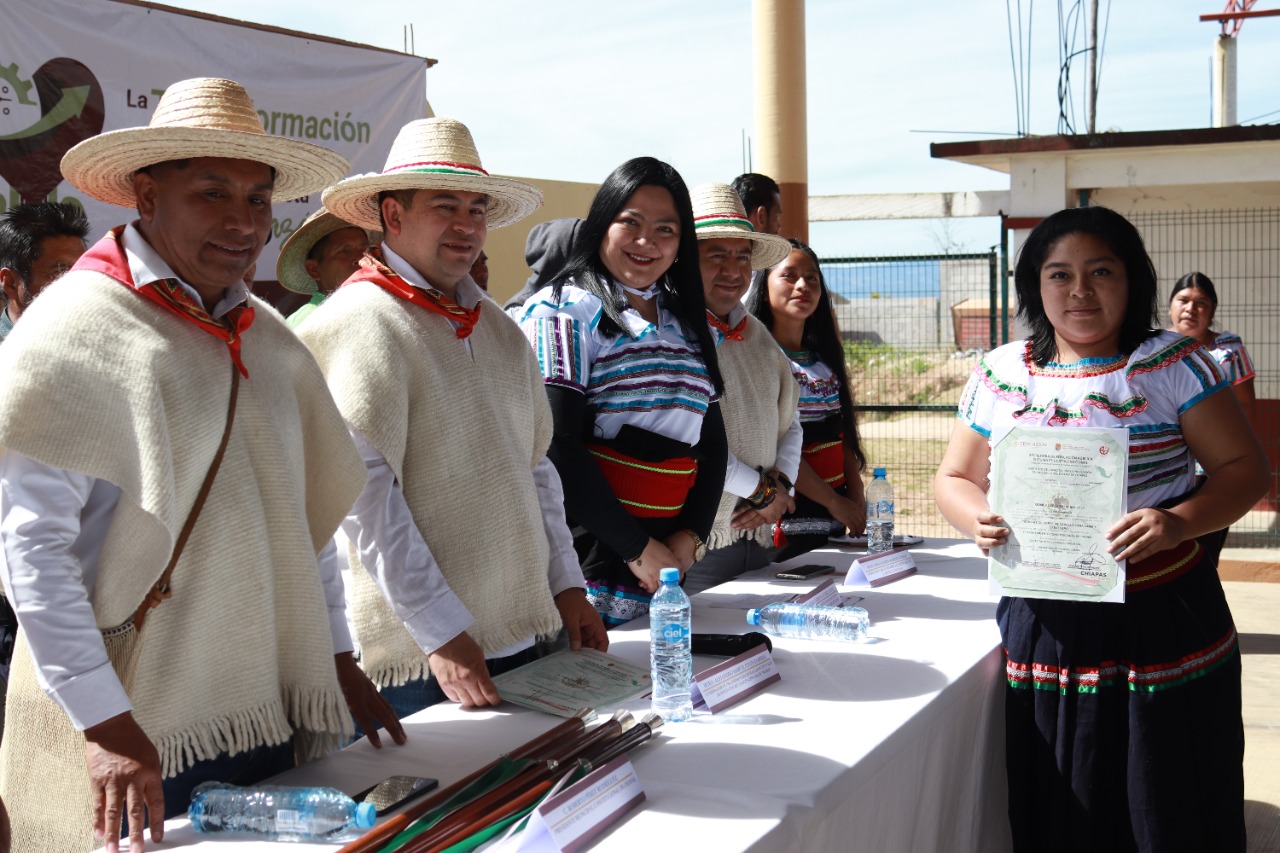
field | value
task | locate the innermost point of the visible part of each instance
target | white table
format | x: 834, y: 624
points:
x: 890, y: 746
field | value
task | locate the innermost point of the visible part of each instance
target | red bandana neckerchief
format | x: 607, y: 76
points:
x: 107, y: 257
x: 374, y: 269
x: 731, y: 333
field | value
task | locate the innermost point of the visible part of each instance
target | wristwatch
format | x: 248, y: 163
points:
x: 699, y: 547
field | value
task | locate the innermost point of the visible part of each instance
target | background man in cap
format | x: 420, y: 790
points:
x: 38, y: 243
x: 149, y: 345
x: 760, y: 394
x: 317, y: 258
x: 546, y: 252
x: 762, y: 199
x: 461, y: 556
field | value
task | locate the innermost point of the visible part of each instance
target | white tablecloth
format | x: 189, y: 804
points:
x: 894, y: 745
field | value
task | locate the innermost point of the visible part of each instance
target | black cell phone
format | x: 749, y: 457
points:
x: 803, y: 573
x: 394, y: 791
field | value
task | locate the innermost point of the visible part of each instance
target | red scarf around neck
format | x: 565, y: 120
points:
x: 374, y: 269
x: 107, y: 257
x: 731, y: 333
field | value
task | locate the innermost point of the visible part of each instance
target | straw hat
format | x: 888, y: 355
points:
x: 291, y: 269
x: 203, y: 117
x: 432, y: 154
x: 718, y: 212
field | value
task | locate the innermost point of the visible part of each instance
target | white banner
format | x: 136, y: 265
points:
x: 70, y: 69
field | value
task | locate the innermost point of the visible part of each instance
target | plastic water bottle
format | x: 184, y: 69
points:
x: 670, y: 652
x: 277, y: 811
x: 811, y: 621
x: 879, y: 513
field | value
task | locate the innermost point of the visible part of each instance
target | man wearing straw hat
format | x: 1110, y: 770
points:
x: 460, y: 553
x: 760, y: 394
x: 167, y: 638
x: 317, y: 258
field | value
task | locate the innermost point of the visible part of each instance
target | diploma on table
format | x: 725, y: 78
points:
x: 563, y: 682
x: 1059, y: 491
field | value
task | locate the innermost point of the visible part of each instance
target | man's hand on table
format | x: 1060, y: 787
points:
x: 124, y: 774
x: 581, y: 620
x: 460, y: 669
x: 367, y: 706
x: 746, y: 517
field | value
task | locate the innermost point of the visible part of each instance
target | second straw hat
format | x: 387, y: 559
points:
x: 291, y: 270
x: 201, y: 117
x: 718, y: 212
x: 432, y: 154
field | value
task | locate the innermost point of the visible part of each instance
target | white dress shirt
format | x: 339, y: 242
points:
x: 52, y: 526
x: 393, y: 550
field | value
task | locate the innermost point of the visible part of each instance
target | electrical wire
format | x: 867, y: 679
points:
x: 1013, y: 63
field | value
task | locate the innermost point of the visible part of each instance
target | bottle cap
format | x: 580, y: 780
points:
x: 366, y: 815
x: 669, y: 575
x: 753, y: 617
x: 877, y: 472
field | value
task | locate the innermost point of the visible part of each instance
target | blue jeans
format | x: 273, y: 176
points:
x: 419, y: 693
x: 244, y: 768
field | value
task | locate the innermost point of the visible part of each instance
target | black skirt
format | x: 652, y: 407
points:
x: 1123, y: 721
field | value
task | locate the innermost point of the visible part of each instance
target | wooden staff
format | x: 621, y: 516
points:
x: 519, y: 804
x: 373, y: 840
x: 477, y: 813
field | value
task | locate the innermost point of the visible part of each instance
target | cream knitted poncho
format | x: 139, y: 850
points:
x: 462, y: 433
x: 100, y: 381
x: 758, y: 405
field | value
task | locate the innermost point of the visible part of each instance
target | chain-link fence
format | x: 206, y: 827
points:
x: 913, y: 328
x: 1239, y: 250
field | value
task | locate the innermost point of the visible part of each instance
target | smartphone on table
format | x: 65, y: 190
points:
x: 394, y: 791
x: 803, y: 573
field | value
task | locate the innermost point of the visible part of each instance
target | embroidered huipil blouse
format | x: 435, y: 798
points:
x: 1145, y: 393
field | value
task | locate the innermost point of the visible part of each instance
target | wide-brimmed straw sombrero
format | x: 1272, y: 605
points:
x: 202, y: 117
x: 291, y: 269
x: 432, y: 154
x: 718, y: 212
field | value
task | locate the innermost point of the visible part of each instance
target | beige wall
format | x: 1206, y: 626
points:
x: 505, y: 246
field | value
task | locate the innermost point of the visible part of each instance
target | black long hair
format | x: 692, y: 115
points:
x: 820, y: 336
x: 1122, y: 238
x: 1201, y: 282
x: 682, y: 283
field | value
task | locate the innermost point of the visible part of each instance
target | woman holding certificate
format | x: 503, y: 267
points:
x: 1123, y: 721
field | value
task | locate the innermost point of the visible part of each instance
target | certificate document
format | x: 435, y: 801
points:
x: 563, y: 682
x: 1059, y: 491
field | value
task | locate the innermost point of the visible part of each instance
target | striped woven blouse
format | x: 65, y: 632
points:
x: 653, y: 378
x: 819, y: 388
x: 1228, y: 350
x: 1146, y: 393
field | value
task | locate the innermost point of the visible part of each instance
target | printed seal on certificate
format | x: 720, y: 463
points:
x: 1059, y: 491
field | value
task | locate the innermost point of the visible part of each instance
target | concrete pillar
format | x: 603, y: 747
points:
x: 781, y: 144
x: 1224, y: 82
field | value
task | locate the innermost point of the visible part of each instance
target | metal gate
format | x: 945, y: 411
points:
x: 1239, y: 250
x: 913, y: 328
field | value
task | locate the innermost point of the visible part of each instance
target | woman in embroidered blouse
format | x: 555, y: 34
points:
x: 633, y: 381
x: 1192, y: 304
x: 1122, y: 721
x: 791, y: 299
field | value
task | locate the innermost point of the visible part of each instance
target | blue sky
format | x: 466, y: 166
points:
x: 568, y: 89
